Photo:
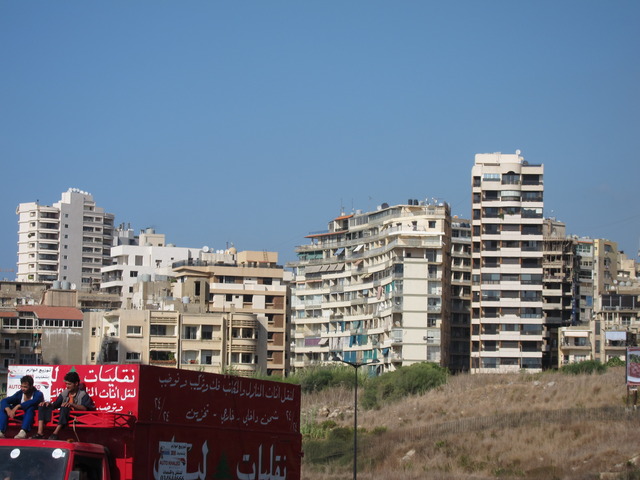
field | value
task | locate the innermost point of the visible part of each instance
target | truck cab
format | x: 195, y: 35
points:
x: 57, y: 460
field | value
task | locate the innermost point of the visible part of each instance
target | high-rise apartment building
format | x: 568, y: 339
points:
x: 585, y: 264
x: 560, y: 286
x: 605, y: 266
x: 507, y: 243
x: 67, y: 242
x: 375, y: 287
x: 460, y: 325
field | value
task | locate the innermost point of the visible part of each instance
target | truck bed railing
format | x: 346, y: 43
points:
x: 89, y: 419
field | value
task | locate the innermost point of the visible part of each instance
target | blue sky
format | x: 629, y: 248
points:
x: 254, y: 122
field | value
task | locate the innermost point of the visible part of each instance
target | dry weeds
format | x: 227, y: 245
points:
x: 520, y: 426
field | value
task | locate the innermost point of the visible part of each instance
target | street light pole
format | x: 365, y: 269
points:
x: 356, y: 366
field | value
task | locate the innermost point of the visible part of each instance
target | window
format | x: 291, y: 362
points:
x: 158, y: 330
x: 491, y: 177
x: 207, y: 332
x: 133, y: 356
x: 510, y: 178
x: 206, y: 357
x: 432, y: 224
x: 583, y: 248
x: 134, y: 330
x: 161, y: 355
x: 190, y: 332
x: 133, y: 273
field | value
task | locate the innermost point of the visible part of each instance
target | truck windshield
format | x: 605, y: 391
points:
x: 28, y: 463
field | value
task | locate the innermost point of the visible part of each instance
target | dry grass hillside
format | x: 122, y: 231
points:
x: 520, y: 426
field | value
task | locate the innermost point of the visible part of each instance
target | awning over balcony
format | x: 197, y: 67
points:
x: 333, y: 267
x: 615, y: 335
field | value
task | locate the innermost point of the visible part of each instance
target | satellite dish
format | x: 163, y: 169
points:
x: 73, y: 286
x: 518, y: 152
x: 205, y: 249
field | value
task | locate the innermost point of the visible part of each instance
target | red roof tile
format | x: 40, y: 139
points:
x: 52, y: 313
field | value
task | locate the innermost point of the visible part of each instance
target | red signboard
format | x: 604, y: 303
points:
x: 113, y: 388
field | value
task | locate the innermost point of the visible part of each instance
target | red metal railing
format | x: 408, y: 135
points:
x: 90, y: 419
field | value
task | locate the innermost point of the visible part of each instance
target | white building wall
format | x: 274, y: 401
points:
x: 507, y: 320
x: 135, y: 263
x: 67, y: 242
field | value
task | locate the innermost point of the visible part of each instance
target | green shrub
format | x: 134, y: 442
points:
x: 315, y: 379
x: 615, y: 362
x: 405, y: 381
x: 588, y: 366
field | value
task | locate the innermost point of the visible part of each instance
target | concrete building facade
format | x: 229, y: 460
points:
x: 38, y: 334
x: 375, y: 288
x: 508, y: 327
x: 150, y: 259
x: 210, y: 342
x: 585, y: 264
x: 246, y: 282
x: 67, y: 242
x: 560, y: 287
x: 459, y: 342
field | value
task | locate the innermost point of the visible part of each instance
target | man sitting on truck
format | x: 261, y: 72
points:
x: 72, y: 399
x: 25, y: 399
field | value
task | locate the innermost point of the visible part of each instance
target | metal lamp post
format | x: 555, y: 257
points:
x: 356, y: 366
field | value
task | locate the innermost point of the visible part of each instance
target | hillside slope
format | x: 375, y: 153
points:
x: 517, y: 426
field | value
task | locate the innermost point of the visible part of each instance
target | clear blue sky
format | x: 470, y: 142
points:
x: 253, y: 122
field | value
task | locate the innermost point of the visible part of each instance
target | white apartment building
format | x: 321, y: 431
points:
x: 374, y: 288
x: 67, y: 242
x: 507, y: 322
x: 151, y: 259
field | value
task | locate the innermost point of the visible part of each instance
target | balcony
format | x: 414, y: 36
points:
x: 163, y: 363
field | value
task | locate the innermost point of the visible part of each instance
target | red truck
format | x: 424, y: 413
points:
x: 161, y: 424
